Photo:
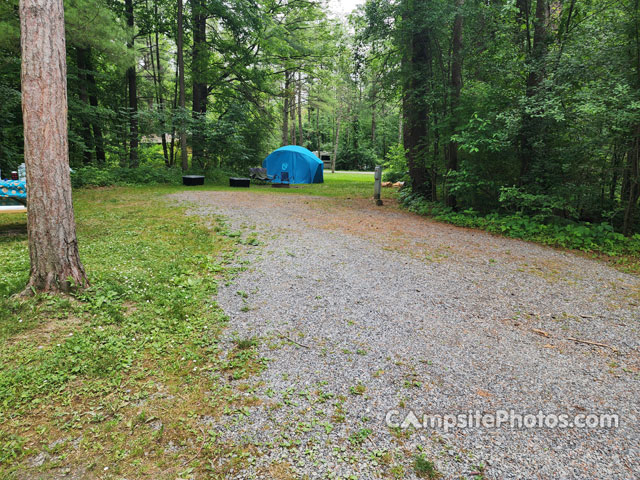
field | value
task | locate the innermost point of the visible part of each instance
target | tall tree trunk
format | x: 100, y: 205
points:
x: 198, y: 69
x: 85, y: 63
x: 300, y: 132
x: 53, y: 246
x: 417, y: 66
x: 336, y: 142
x: 532, y: 126
x: 374, y: 94
x: 285, y: 111
x: 161, y: 100
x: 85, y: 130
x: 456, y: 88
x: 172, y: 153
x: 133, y: 93
x: 292, y: 109
x: 160, y: 88
x: 93, y: 101
x: 373, y: 118
x: 183, y: 133
x: 318, y: 147
x: 633, y: 176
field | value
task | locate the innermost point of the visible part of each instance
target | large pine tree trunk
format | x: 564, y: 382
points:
x: 53, y: 247
x: 181, y: 101
x: 198, y: 69
x: 417, y: 66
x: 133, y: 94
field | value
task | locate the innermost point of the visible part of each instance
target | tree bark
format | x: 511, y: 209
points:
x: 163, y: 136
x: 633, y: 184
x: 300, y: 132
x: 318, y: 146
x: 198, y: 70
x: 174, y: 105
x: 373, y: 117
x: 86, y: 75
x: 53, y: 246
x: 292, y: 109
x: 456, y: 88
x: 181, y: 102
x: 336, y: 142
x: 93, y: 101
x: 531, y: 126
x: 417, y: 66
x: 133, y: 93
x: 285, y: 111
x: 85, y: 131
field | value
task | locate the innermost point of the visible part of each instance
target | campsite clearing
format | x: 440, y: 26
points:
x: 268, y: 333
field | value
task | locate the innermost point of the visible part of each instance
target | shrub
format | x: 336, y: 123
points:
x: 91, y: 176
x: 395, y: 165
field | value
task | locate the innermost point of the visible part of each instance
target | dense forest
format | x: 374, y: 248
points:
x: 528, y: 106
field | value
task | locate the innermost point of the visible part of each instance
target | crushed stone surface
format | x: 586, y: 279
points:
x: 363, y: 310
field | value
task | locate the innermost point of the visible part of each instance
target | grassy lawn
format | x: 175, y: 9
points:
x: 338, y: 185
x: 115, y: 382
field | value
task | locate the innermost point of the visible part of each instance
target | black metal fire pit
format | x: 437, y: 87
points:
x: 191, y: 180
x: 239, y: 182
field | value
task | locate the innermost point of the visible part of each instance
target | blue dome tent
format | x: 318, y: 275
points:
x: 293, y: 164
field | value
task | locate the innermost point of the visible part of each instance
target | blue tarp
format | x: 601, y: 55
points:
x: 299, y: 164
x: 13, y: 193
x: 13, y: 189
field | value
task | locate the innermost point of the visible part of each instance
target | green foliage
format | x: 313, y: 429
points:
x: 11, y: 447
x: 359, y: 437
x: 543, y: 206
x: 395, y: 165
x: 425, y: 468
x: 143, y: 175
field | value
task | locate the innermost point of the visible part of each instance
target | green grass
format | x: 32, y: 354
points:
x: 118, y: 372
x: 337, y: 185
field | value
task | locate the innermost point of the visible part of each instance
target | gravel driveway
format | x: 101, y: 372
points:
x: 364, y: 310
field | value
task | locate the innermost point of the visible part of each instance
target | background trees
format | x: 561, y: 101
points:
x: 523, y: 106
x: 505, y: 105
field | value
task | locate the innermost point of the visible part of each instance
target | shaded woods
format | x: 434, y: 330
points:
x: 526, y: 107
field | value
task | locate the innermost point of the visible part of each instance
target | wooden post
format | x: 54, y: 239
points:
x: 377, y: 185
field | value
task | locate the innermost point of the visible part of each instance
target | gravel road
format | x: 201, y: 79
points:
x: 362, y: 311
